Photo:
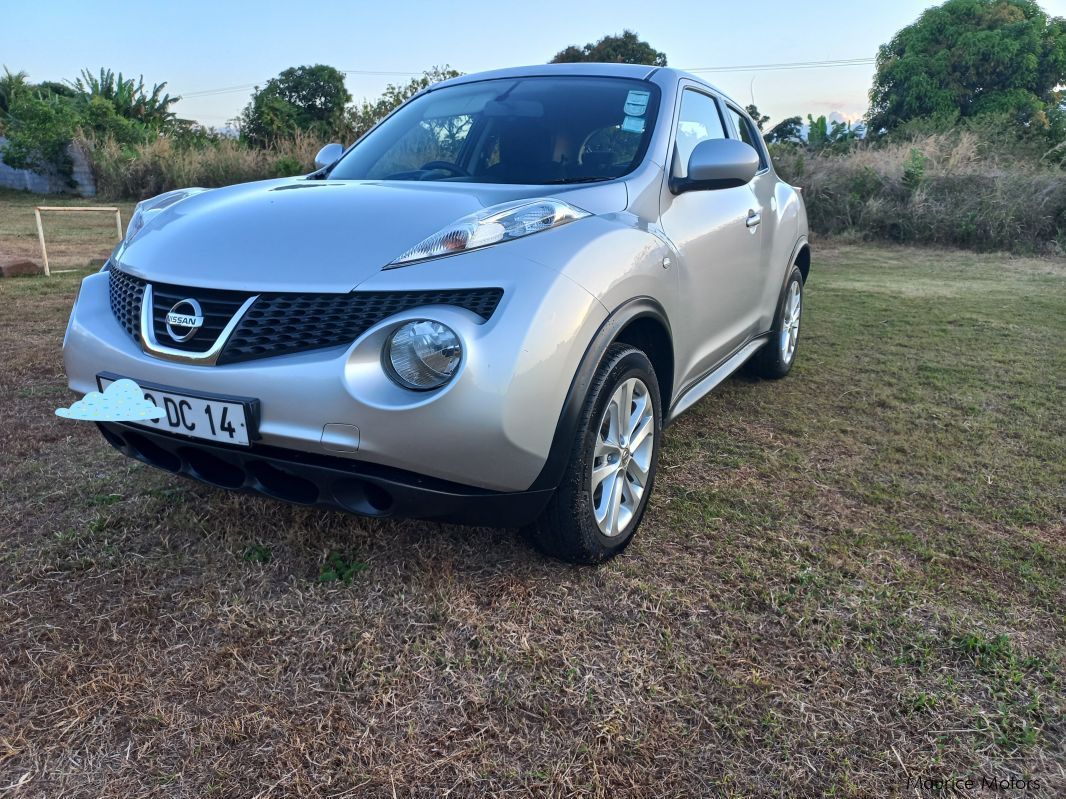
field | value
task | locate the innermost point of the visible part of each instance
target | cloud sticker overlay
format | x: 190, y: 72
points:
x: 122, y: 401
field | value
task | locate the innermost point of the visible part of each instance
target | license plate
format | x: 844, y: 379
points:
x: 213, y: 419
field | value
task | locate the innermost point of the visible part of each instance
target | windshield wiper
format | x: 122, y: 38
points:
x: 589, y: 179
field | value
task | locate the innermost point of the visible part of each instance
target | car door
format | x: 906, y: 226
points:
x: 764, y: 186
x: 718, y: 240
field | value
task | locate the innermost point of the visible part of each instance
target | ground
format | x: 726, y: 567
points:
x: 72, y: 239
x: 848, y: 580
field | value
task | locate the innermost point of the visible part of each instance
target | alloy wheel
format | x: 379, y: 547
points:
x: 790, y: 321
x: 621, y: 464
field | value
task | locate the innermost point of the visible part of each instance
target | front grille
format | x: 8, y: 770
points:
x: 280, y: 323
x: 126, y: 292
x: 286, y: 323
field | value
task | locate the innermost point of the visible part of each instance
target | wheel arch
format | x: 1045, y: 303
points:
x: 802, y: 259
x: 640, y: 322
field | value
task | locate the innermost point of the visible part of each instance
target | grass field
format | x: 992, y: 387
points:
x: 73, y: 239
x: 847, y: 580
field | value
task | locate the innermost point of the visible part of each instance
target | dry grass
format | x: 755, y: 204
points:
x: 945, y: 189
x: 73, y: 239
x: 847, y: 579
x: 150, y: 169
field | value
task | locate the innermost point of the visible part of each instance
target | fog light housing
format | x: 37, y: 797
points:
x: 422, y: 355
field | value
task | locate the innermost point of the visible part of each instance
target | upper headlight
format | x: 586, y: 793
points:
x: 492, y: 225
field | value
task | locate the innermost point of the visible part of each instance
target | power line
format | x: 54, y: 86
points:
x: 836, y: 62
x: 246, y: 87
x: 226, y: 90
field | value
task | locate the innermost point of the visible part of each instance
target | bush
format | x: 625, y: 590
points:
x: 38, y: 132
x: 942, y: 188
x: 286, y: 166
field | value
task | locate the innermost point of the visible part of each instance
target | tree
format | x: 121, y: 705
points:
x: 966, y: 58
x: 623, y: 49
x: 787, y: 130
x: 757, y: 118
x: 128, y: 97
x: 363, y: 117
x: 299, y: 99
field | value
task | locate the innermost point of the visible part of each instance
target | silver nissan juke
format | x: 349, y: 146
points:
x: 484, y: 311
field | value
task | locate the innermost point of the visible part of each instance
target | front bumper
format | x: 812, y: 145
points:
x: 490, y: 428
x: 326, y: 482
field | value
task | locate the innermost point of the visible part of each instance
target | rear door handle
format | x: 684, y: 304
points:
x: 754, y: 218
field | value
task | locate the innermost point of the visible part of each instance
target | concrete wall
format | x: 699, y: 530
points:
x: 49, y: 182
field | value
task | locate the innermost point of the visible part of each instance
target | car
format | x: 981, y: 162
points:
x: 485, y: 311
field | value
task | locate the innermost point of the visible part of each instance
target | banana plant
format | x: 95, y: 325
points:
x: 129, y: 96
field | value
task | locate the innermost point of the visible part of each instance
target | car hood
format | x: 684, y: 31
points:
x: 315, y: 235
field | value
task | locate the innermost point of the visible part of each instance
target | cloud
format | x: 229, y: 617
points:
x: 122, y: 401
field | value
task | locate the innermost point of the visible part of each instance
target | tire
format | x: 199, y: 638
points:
x: 569, y: 528
x: 774, y: 360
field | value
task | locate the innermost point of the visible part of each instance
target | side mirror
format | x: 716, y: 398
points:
x: 718, y: 164
x: 328, y: 155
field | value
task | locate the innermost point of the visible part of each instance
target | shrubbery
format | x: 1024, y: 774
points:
x: 39, y: 136
x: 40, y: 120
x: 955, y: 188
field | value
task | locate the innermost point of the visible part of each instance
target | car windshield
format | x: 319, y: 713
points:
x: 538, y: 130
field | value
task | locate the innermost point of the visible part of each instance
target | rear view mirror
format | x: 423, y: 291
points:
x: 514, y: 108
x: 328, y: 155
x: 718, y: 164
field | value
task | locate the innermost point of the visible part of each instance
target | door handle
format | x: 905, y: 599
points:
x: 754, y: 218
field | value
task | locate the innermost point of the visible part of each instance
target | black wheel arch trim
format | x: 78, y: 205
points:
x: 801, y: 244
x: 566, y: 427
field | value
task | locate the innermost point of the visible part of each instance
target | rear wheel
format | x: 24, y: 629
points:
x: 774, y: 360
x: 604, y: 492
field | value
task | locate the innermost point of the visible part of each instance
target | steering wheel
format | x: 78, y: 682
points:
x: 447, y: 166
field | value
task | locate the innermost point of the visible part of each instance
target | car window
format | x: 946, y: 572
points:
x: 698, y: 120
x: 609, y: 145
x: 439, y: 139
x: 748, y: 134
x: 535, y: 130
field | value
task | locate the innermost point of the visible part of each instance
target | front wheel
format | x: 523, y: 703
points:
x: 774, y: 360
x: 604, y: 492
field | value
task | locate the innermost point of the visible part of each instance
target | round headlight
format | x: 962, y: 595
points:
x: 422, y: 355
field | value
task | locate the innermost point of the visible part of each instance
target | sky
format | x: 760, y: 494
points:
x: 212, y: 53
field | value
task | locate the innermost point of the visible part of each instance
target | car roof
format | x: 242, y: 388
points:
x: 585, y: 69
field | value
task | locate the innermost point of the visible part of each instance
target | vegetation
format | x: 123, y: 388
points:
x: 965, y: 142
x: 945, y: 189
x: 41, y: 120
x: 847, y: 577
x: 165, y: 163
x: 967, y: 136
x: 299, y: 100
x: 11, y: 85
x: 626, y: 48
x: 968, y: 58
x: 758, y: 118
x: 128, y: 98
x: 363, y: 117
